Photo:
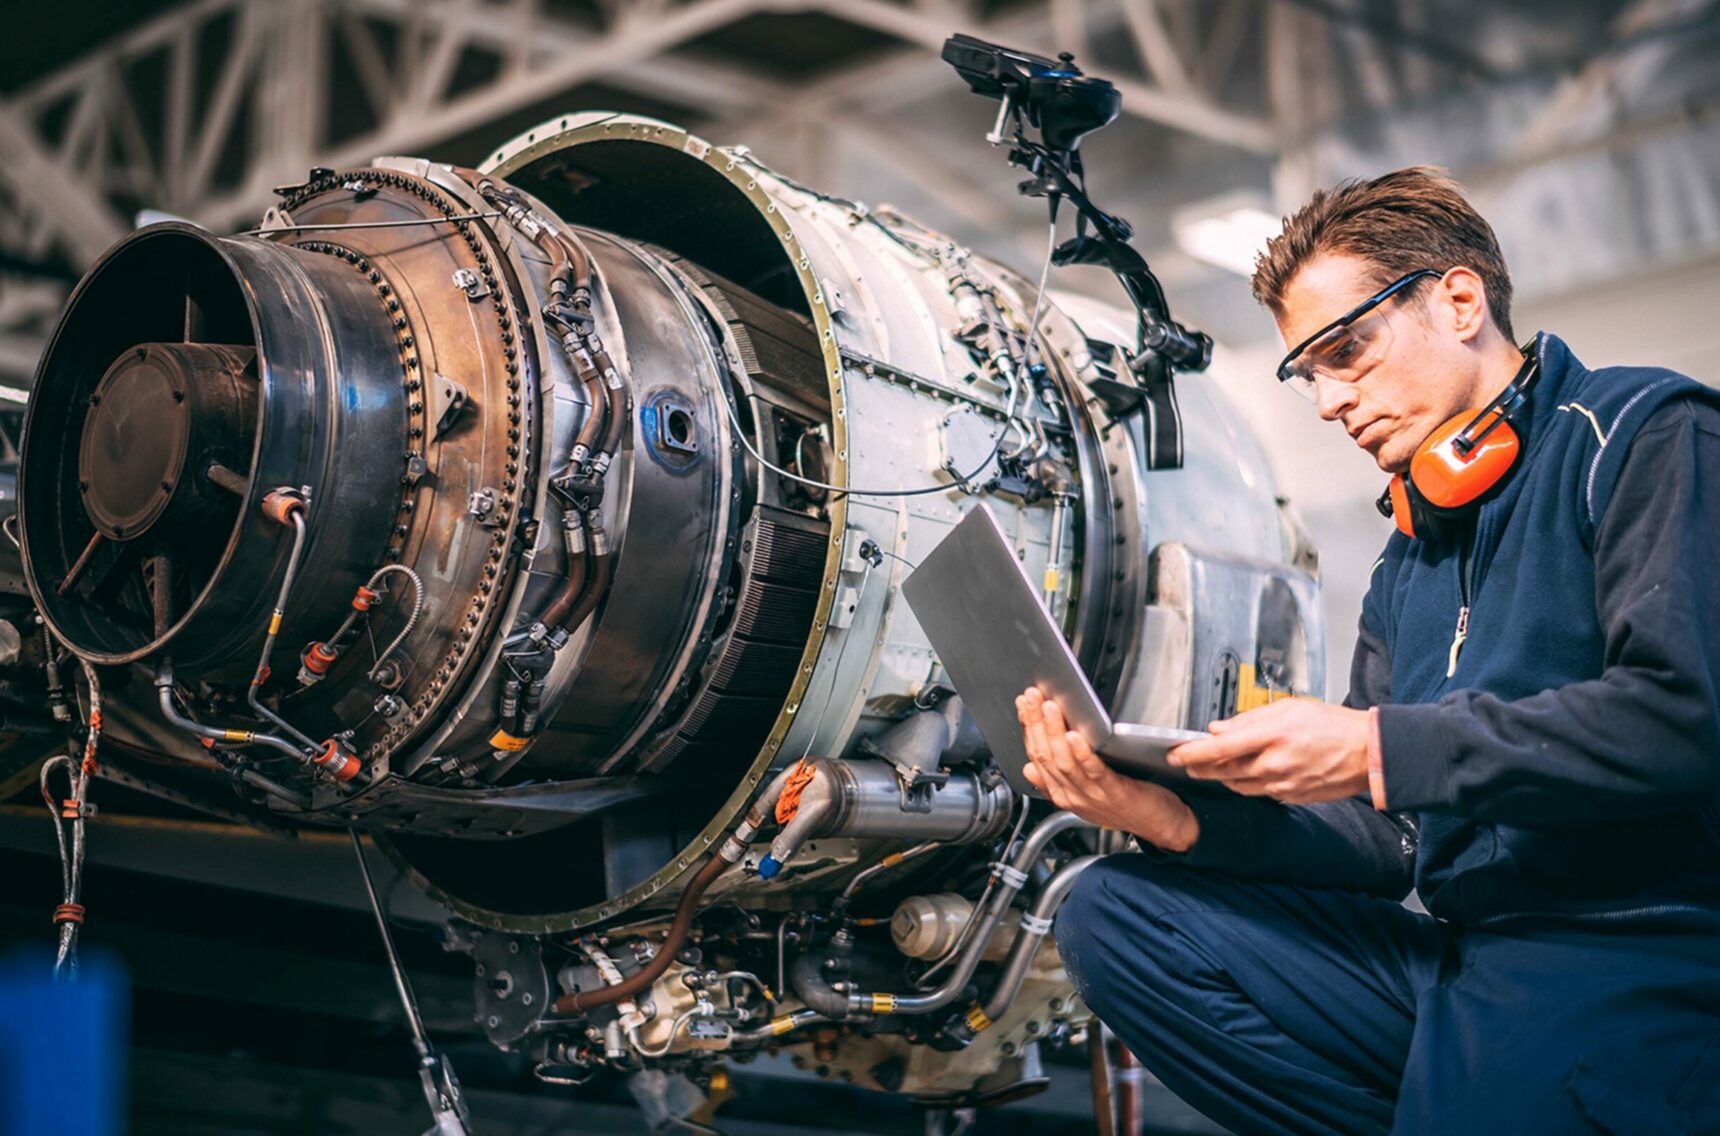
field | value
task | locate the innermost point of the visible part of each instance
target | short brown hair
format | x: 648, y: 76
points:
x: 1407, y: 219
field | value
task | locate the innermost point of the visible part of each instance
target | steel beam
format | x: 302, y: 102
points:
x: 86, y: 223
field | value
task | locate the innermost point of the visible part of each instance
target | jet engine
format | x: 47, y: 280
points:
x: 546, y: 521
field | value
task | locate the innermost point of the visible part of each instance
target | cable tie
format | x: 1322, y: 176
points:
x: 1010, y: 874
x: 1035, y: 924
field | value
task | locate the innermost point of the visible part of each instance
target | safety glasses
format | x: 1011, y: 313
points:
x: 1348, y: 347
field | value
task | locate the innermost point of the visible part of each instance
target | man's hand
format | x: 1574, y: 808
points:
x: 1064, y: 767
x: 1295, y: 750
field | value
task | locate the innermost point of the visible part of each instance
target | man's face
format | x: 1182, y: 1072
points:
x: 1410, y: 378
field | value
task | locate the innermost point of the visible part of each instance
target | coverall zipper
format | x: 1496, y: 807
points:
x: 1462, y: 631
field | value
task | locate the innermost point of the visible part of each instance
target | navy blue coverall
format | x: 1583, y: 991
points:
x: 1552, y: 791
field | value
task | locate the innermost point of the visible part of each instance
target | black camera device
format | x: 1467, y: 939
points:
x: 1058, y: 100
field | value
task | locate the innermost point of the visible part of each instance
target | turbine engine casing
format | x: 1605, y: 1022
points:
x: 563, y: 670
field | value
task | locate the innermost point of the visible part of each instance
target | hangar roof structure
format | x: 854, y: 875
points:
x: 1595, y: 118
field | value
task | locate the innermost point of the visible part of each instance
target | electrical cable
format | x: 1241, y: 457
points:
x: 961, y: 480
x: 412, y: 616
x: 841, y: 652
x: 900, y: 559
x: 69, y: 915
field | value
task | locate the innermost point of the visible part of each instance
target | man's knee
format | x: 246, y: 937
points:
x: 1109, y: 922
x: 1130, y: 889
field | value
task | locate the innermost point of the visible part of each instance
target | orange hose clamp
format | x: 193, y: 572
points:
x: 364, y: 598
x: 279, y: 505
x: 339, y: 763
x: 318, y: 658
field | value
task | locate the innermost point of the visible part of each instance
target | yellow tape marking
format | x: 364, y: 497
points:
x: 1250, y: 695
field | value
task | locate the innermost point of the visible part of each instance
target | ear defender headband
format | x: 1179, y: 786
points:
x: 1462, y: 462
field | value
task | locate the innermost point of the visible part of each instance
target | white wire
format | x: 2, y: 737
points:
x: 836, y: 666
x: 961, y: 479
x: 1009, y: 422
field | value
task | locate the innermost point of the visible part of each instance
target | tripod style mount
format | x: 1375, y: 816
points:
x: 1051, y: 97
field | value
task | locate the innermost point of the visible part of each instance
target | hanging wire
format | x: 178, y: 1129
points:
x: 836, y: 666
x: 70, y: 812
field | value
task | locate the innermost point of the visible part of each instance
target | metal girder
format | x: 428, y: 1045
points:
x: 1163, y: 57
x: 414, y: 126
x: 82, y: 218
x: 275, y: 63
x: 1587, y: 102
x: 1184, y: 111
x: 528, y: 41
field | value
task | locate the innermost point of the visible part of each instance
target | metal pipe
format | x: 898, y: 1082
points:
x: 574, y: 579
x: 274, y: 788
x: 597, y: 401
x: 616, y: 419
x: 420, y: 1040
x: 1034, y: 927
x: 602, y: 571
x: 1010, y: 879
x: 164, y: 688
x: 883, y: 865
x: 337, y: 640
x: 1041, y: 834
x: 235, y: 483
x: 776, y: 1027
x: 253, y: 698
x: 1053, y: 582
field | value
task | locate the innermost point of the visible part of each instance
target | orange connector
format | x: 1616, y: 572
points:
x: 339, y: 762
x: 279, y: 505
x: 318, y: 658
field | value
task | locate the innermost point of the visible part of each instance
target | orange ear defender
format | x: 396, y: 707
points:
x: 1461, y: 463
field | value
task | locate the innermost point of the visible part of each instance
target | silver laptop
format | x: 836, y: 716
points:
x: 985, y: 620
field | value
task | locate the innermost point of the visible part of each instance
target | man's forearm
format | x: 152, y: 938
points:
x: 1340, y: 844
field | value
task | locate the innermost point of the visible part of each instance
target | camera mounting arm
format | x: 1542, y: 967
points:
x: 1054, y: 97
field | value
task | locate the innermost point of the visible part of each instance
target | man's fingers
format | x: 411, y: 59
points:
x: 1239, y: 739
x: 1032, y: 727
x: 1057, y: 765
x: 1057, y: 736
x: 1090, y: 764
x: 1210, y: 751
